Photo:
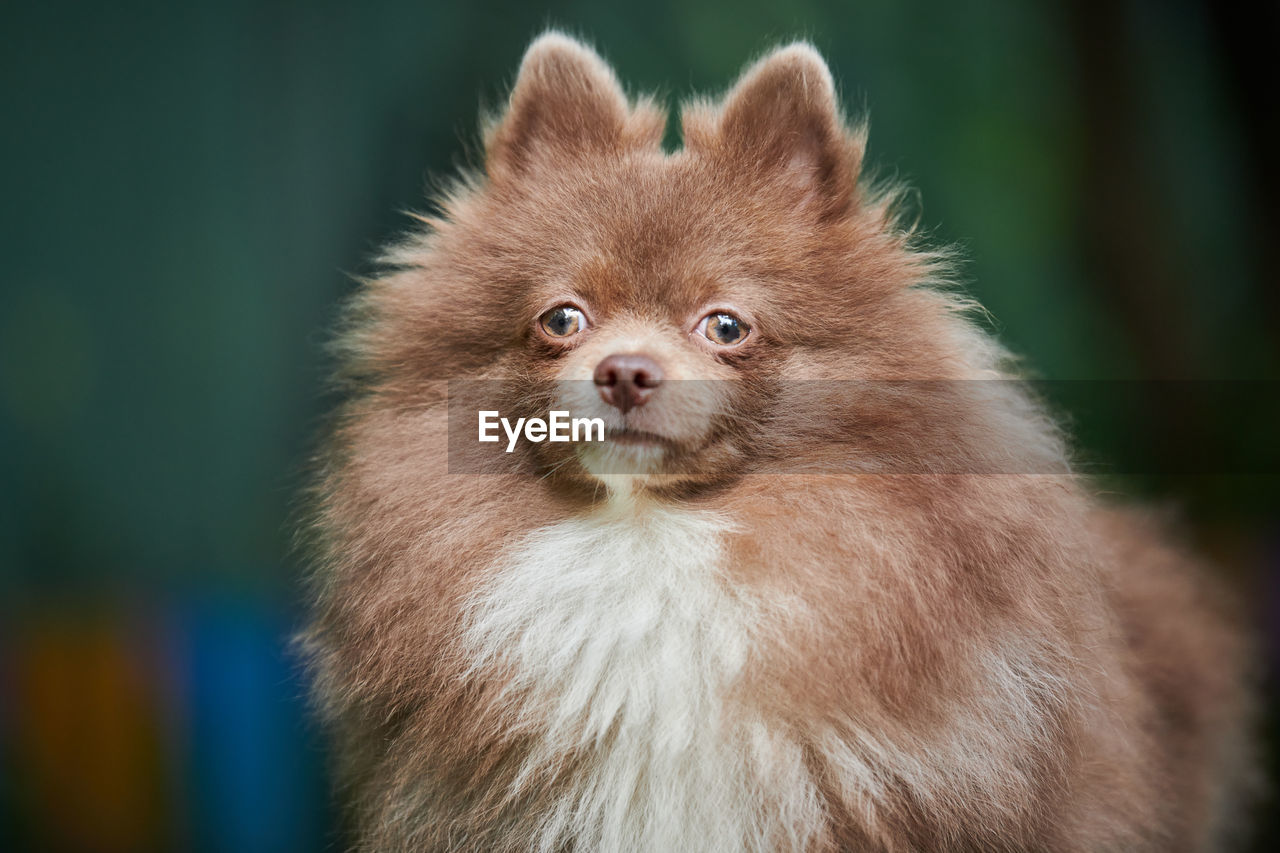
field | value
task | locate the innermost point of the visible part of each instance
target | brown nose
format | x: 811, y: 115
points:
x: 627, y: 380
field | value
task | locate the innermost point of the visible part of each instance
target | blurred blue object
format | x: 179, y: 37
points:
x: 254, y: 774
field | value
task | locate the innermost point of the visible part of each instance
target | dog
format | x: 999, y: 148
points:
x: 823, y: 578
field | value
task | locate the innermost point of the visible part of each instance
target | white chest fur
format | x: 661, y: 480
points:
x: 624, y: 641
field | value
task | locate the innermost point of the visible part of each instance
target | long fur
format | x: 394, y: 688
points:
x: 862, y: 604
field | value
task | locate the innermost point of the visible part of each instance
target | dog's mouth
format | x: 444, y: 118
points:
x: 628, y: 451
x: 637, y: 438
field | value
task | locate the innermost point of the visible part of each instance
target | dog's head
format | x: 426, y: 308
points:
x: 684, y: 297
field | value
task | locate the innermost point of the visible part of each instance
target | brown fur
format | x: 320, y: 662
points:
x: 962, y: 660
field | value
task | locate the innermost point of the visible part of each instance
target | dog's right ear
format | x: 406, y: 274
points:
x: 567, y: 103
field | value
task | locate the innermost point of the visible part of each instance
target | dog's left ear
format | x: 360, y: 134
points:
x: 567, y: 103
x: 781, y: 124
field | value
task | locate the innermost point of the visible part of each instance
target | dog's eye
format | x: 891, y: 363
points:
x: 724, y: 329
x: 562, y: 321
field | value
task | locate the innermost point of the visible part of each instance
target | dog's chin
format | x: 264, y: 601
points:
x: 627, y: 453
x: 654, y: 449
x: 631, y: 462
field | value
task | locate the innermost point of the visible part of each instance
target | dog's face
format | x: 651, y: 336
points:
x: 678, y: 297
x: 654, y: 314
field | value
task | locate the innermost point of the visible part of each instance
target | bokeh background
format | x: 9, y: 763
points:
x: 187, y: 188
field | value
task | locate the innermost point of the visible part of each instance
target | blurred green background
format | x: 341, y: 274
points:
x: 187, y: 186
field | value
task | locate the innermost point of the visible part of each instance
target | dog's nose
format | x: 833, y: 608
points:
x: 627, y: 380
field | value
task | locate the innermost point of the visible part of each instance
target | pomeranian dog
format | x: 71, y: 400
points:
x: 816, y: 574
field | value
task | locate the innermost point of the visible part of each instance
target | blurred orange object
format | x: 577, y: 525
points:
x: 88, y: 738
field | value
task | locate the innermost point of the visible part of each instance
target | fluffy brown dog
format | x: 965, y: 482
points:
x: 825, y: 584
